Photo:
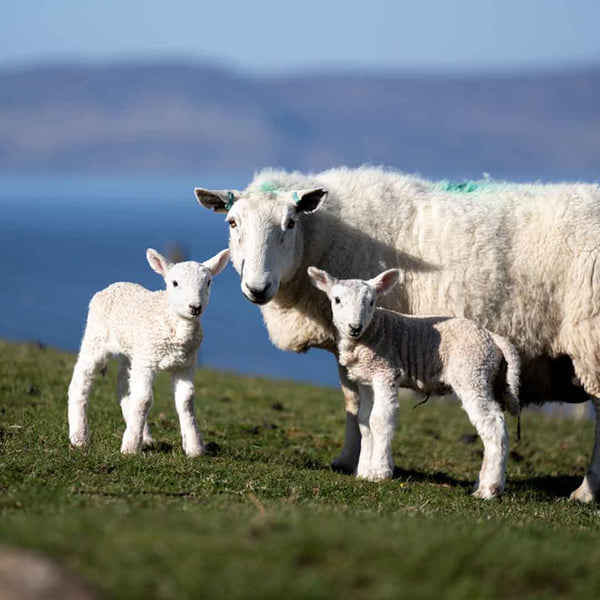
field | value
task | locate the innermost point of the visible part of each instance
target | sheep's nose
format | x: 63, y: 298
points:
x: 258, y: 294
x: 195, y: 309
x: 355, y: 330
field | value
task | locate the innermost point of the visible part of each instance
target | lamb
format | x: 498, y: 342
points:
x: 149, y: 332
x: 383, y: 350
x: 518, y: 259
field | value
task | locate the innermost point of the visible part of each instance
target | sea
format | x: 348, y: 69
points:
x: 64, y: 237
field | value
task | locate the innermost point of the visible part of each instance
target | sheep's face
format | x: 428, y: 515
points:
x: 266, y: 238
x: 353, y: 300
x: 188, y: 283
x: 352, y: 306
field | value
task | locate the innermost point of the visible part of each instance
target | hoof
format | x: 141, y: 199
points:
x: 583, y: 493
x: 79, y: 439
x: 488, y: 492
x: 148, y: 442
x: 344, y: 464
x: 376, y: 475
x: 197, y: 451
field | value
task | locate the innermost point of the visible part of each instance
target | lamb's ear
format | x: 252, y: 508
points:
x: 217, y: 200
x: 309, y: 201
x: 385, y: 281
x: 218, y: 262
x: 321, y: 279
x: 157, y: 261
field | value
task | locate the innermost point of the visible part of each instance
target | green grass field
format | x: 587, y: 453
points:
x: 263, y: 516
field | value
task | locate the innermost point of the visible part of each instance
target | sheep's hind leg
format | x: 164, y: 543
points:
x: 138, y: 405
x: 80, y: 387
x: 183, y: 389
x: 486, y: 416
x: 589, y: 490
x: 347, y: 461
x: 365, y: 408
x: 123, y: 396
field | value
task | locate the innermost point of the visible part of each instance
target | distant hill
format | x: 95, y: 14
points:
x: 177, y: 118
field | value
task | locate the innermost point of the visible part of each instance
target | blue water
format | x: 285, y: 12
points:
x: 64, y: 238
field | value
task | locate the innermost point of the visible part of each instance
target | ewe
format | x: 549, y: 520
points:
x: 149, y: 332
x: 383, y: 350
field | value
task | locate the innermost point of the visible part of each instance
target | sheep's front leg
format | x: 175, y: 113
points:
x: 123, y: 396
x: 487, y: 418
x: 347, y: 461
x: 183, y: 389
x: 364, y: 417
x: 382, y: 423
x: 589, y: 490
x: 138, y: 405
x: 79, y: 393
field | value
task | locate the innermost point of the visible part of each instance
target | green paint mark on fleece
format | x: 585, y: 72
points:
x: 465, y: 187
x: 267, y: 186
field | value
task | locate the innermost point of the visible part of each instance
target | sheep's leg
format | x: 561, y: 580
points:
x: 138, y: 405
x: 589, y: 490
x: 486, y: 416
x: 123, y: 396
x: 183, y: 388
x: 364, y: 418
x: 347, y: 461
x: 382, y: 424
x: 80, y: 387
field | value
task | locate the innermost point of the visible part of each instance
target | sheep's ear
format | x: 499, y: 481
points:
x: 385, y: 281
x: 309, y: 201
x: 217, y: 200
x: 157, y: 261
x: 321, y: 279
x: 218, y: 262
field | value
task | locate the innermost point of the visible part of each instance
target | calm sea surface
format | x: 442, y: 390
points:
x: 62, y: 239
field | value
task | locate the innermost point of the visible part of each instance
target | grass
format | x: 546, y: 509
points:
x: 264, y: 517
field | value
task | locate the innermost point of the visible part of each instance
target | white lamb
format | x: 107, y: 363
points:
x: 149, y: 332
x: 383, y: 350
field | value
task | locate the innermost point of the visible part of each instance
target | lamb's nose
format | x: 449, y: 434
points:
x: 355, y: 330
x: 195, y: 309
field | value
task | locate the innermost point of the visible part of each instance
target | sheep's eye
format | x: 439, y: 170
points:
x: 372, y: 302
x: 336, y: 300
x: 208, y: 284
x: 175, y: 284
x: 232, y: 224
x: 291, y: 224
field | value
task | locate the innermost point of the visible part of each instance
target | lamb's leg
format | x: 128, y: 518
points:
x: 382, y: 424
x: 80, y: 387
x: 364, y: 418
x: 183, y: 388
x: 123, y: 396
x: 589, y: 490
x: 487, y: 418
x: 347, y: 461
x: 138, y: 405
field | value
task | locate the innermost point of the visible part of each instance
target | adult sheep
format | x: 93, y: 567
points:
x: 520, y: 259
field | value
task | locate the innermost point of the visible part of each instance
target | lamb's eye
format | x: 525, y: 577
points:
x: 336, y: 300
x: 232, y: 224
x: 291, y: 224
x: 175, y: 284
x: 372, y: 302
x: 208, y: 284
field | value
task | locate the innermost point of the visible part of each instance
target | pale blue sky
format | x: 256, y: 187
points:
x: 269, y: 35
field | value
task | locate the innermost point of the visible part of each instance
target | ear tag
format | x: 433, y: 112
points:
x: 230, y: 200
x: 295, y: 197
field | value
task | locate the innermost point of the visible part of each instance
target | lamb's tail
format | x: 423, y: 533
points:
x: 513, y: 371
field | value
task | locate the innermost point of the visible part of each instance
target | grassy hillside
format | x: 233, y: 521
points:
x: 263, y: 516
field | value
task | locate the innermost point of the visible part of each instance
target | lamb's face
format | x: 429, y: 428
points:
x: 188, y: 288
x: 266, y: 233
x: 352, y: 306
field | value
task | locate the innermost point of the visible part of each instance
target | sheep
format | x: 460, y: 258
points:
x: 383, y: 350
x: 149, y: 332
x: 519, y: 259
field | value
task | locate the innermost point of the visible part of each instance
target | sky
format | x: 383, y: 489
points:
x: 279, y: 35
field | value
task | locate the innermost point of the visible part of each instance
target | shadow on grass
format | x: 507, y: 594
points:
x: 438, y: 478
x: 548, y: 487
